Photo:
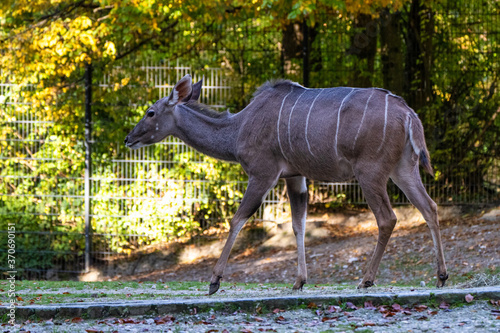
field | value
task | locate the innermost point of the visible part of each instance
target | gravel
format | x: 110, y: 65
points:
x: 478, y: 317
x: 262, y: 309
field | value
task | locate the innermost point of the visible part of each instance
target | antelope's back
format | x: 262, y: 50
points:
x: 320, y: 133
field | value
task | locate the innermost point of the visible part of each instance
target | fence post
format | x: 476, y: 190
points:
x: 88, y: 164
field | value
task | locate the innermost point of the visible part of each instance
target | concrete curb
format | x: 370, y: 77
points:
x: 96, y: 310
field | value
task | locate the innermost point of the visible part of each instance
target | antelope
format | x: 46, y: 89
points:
x: 292, y: 132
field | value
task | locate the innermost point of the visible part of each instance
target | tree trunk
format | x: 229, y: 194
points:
x: 298, y: 38
x: 418, y: 37
x: 292, y: 47
x: 392, y: 51
x: 364, y: 48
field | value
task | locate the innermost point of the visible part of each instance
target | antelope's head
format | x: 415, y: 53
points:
x: 159, y: 122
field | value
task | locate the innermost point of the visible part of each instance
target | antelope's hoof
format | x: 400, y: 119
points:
x: 298, y: 285
x: 442, y: 280
x: 366, y: 284
x: 214, y: 286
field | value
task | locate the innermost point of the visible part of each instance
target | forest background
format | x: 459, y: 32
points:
x: 64, y: 62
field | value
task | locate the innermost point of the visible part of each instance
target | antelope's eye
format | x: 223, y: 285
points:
x: 150, y: 113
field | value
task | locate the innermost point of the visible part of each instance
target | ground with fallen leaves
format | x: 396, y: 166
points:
x: 478, y: 316
x: 342, y: 250
x: 337, y: 252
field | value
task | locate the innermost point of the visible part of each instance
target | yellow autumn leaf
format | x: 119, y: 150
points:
x: 109, y: 48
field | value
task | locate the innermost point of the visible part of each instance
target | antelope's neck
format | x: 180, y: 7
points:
x: 214, y: 137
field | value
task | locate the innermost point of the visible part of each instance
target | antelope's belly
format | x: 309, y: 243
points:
x: 325, y: 167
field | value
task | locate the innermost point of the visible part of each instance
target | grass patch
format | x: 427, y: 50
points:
x: 490, y: 277
x: 109, y: 285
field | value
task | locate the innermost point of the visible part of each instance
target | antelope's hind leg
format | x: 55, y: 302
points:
x: 407, y: 177
x: 297, y: 193
x: 375, y: 190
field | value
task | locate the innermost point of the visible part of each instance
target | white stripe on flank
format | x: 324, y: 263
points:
x: 338, y: 121
x: 362, y: 119
x: 279, y: 118
x: 290, y: 119
x: 413, y: 143
x: 307, y: 120
x: 385, y: 123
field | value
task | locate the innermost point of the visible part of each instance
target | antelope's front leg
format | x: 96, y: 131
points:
x: 297, y: 193
x: 252, y: 199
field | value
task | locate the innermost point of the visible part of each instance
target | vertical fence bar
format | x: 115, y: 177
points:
x: 88, y: 163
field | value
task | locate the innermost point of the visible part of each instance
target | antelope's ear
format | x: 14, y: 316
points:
x: 182, y: 91
x: 197, y: 90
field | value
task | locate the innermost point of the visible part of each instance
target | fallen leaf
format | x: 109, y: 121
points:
x: 19, y: 298
x: 258, y: 319
x: 469, y: 298
x: 92, y: 330
x: 444, y: 305
x: 312, y: 306
x: 130, y: 321
x: 164, y: 320
x: 66, y: 293
x: 328, y: 318
x: 351, y: 306
x: 383, y: 308
x: 495, y: 303
x: 369, y: 323
x: 396, y: 307
x: 422, y: 318
x: 76, y: 320
x: 278, y: 310
x: 421, y: 308
x: 333, y: 308
x: 389, y: 314
x: 406, y: 312
x: 369, y: 305
x: 280, y: 318
x: 432, y: 313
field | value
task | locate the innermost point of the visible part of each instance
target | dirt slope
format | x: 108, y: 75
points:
x: 339, y: 247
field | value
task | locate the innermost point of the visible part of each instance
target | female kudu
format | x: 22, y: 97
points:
x: 291, y: 132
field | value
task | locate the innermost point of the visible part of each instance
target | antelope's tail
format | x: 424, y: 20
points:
x: 417, y: 140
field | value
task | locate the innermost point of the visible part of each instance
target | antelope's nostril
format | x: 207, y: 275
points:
x: 126, y: 139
